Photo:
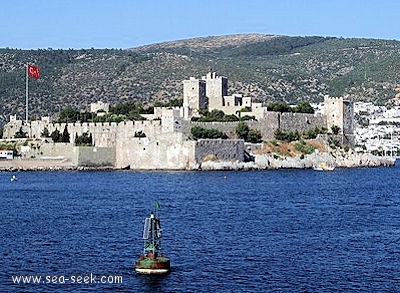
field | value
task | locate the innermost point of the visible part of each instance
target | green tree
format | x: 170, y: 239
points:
x: 20, y: 133
x: 69, y: 114
x: 247, y: 117
x: 56, y: 135
x: 45, y: 132
x: 242, y: 130
x: 254, y: 136
x: 279, y: 106
x: 84, y: 140
x: 201, y: 132
x: 130, y: 110
x: 171, y: 103
x: 287, y: 136
x: 197, y: 132
x: 304, y: 107
x: 313, y: 133
x: 78, y: 139
x: 65, y: 135
x: 123, y: 109
x: 248, y: 134
x: 230, y: 118
x: 217, y: 116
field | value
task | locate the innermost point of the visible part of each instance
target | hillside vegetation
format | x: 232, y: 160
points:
x: 269, y: 68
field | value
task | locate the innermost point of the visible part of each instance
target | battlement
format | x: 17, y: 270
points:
x: 333, y: 99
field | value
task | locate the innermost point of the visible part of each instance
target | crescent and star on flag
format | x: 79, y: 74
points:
x: 33, y: 71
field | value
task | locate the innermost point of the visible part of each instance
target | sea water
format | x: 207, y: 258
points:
x: 252, y: 231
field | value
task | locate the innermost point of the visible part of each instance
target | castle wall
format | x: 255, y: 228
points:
x: 107, y: 134
x: 96, y: 156
x: 229, y: 128
x: 64, y: 151
x: 166, y: 145
x: 267, y: 125
x: 166, y: 151
x: 79, y: 155
x: 12, y: 127
x: 224, y: 150
x: 301, y: 122
x: 104, y: 134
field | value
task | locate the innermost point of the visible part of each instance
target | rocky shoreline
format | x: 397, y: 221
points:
x: 274, y: 162
x: 261, y: 162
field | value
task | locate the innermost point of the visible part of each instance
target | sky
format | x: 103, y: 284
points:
x: 76, y: 24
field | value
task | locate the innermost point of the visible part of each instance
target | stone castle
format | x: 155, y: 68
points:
x: 167, y: 143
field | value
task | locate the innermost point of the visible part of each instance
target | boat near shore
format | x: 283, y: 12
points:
x: 323, y: 167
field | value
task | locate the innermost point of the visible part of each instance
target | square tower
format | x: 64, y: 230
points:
x: 194, y: 95
x: 340, y: 112
x: 216, y: 89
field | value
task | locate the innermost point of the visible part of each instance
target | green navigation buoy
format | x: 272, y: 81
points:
x: 152, y: 260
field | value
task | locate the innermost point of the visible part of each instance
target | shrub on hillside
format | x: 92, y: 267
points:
x: 201, y: 132
x: 287, y: 136
x: 217, y: 116
x: 304, y: 148
x: 243, y: 131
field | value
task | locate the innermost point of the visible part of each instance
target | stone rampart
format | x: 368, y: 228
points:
x: 78, y: 155
x: 226, y: 127
x: 221, y: 149
x: 96, y: 156
x: 104, y: 134
x: 169, y: 151
x: 107, y: 133
x: 301, y: 121
x: 163, y: 147
x: 267, y: 125
x: 61, y: 151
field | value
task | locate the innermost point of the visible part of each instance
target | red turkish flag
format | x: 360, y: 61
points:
x: 33, y: 71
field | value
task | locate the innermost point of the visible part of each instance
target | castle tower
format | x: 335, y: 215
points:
x: 340, y: 112
x: 216, y: 89
x: 194, y: 97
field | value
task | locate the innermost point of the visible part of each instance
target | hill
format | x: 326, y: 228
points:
x: 265, y: 67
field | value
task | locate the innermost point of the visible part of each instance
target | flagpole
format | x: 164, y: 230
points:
x: 26, y: 95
